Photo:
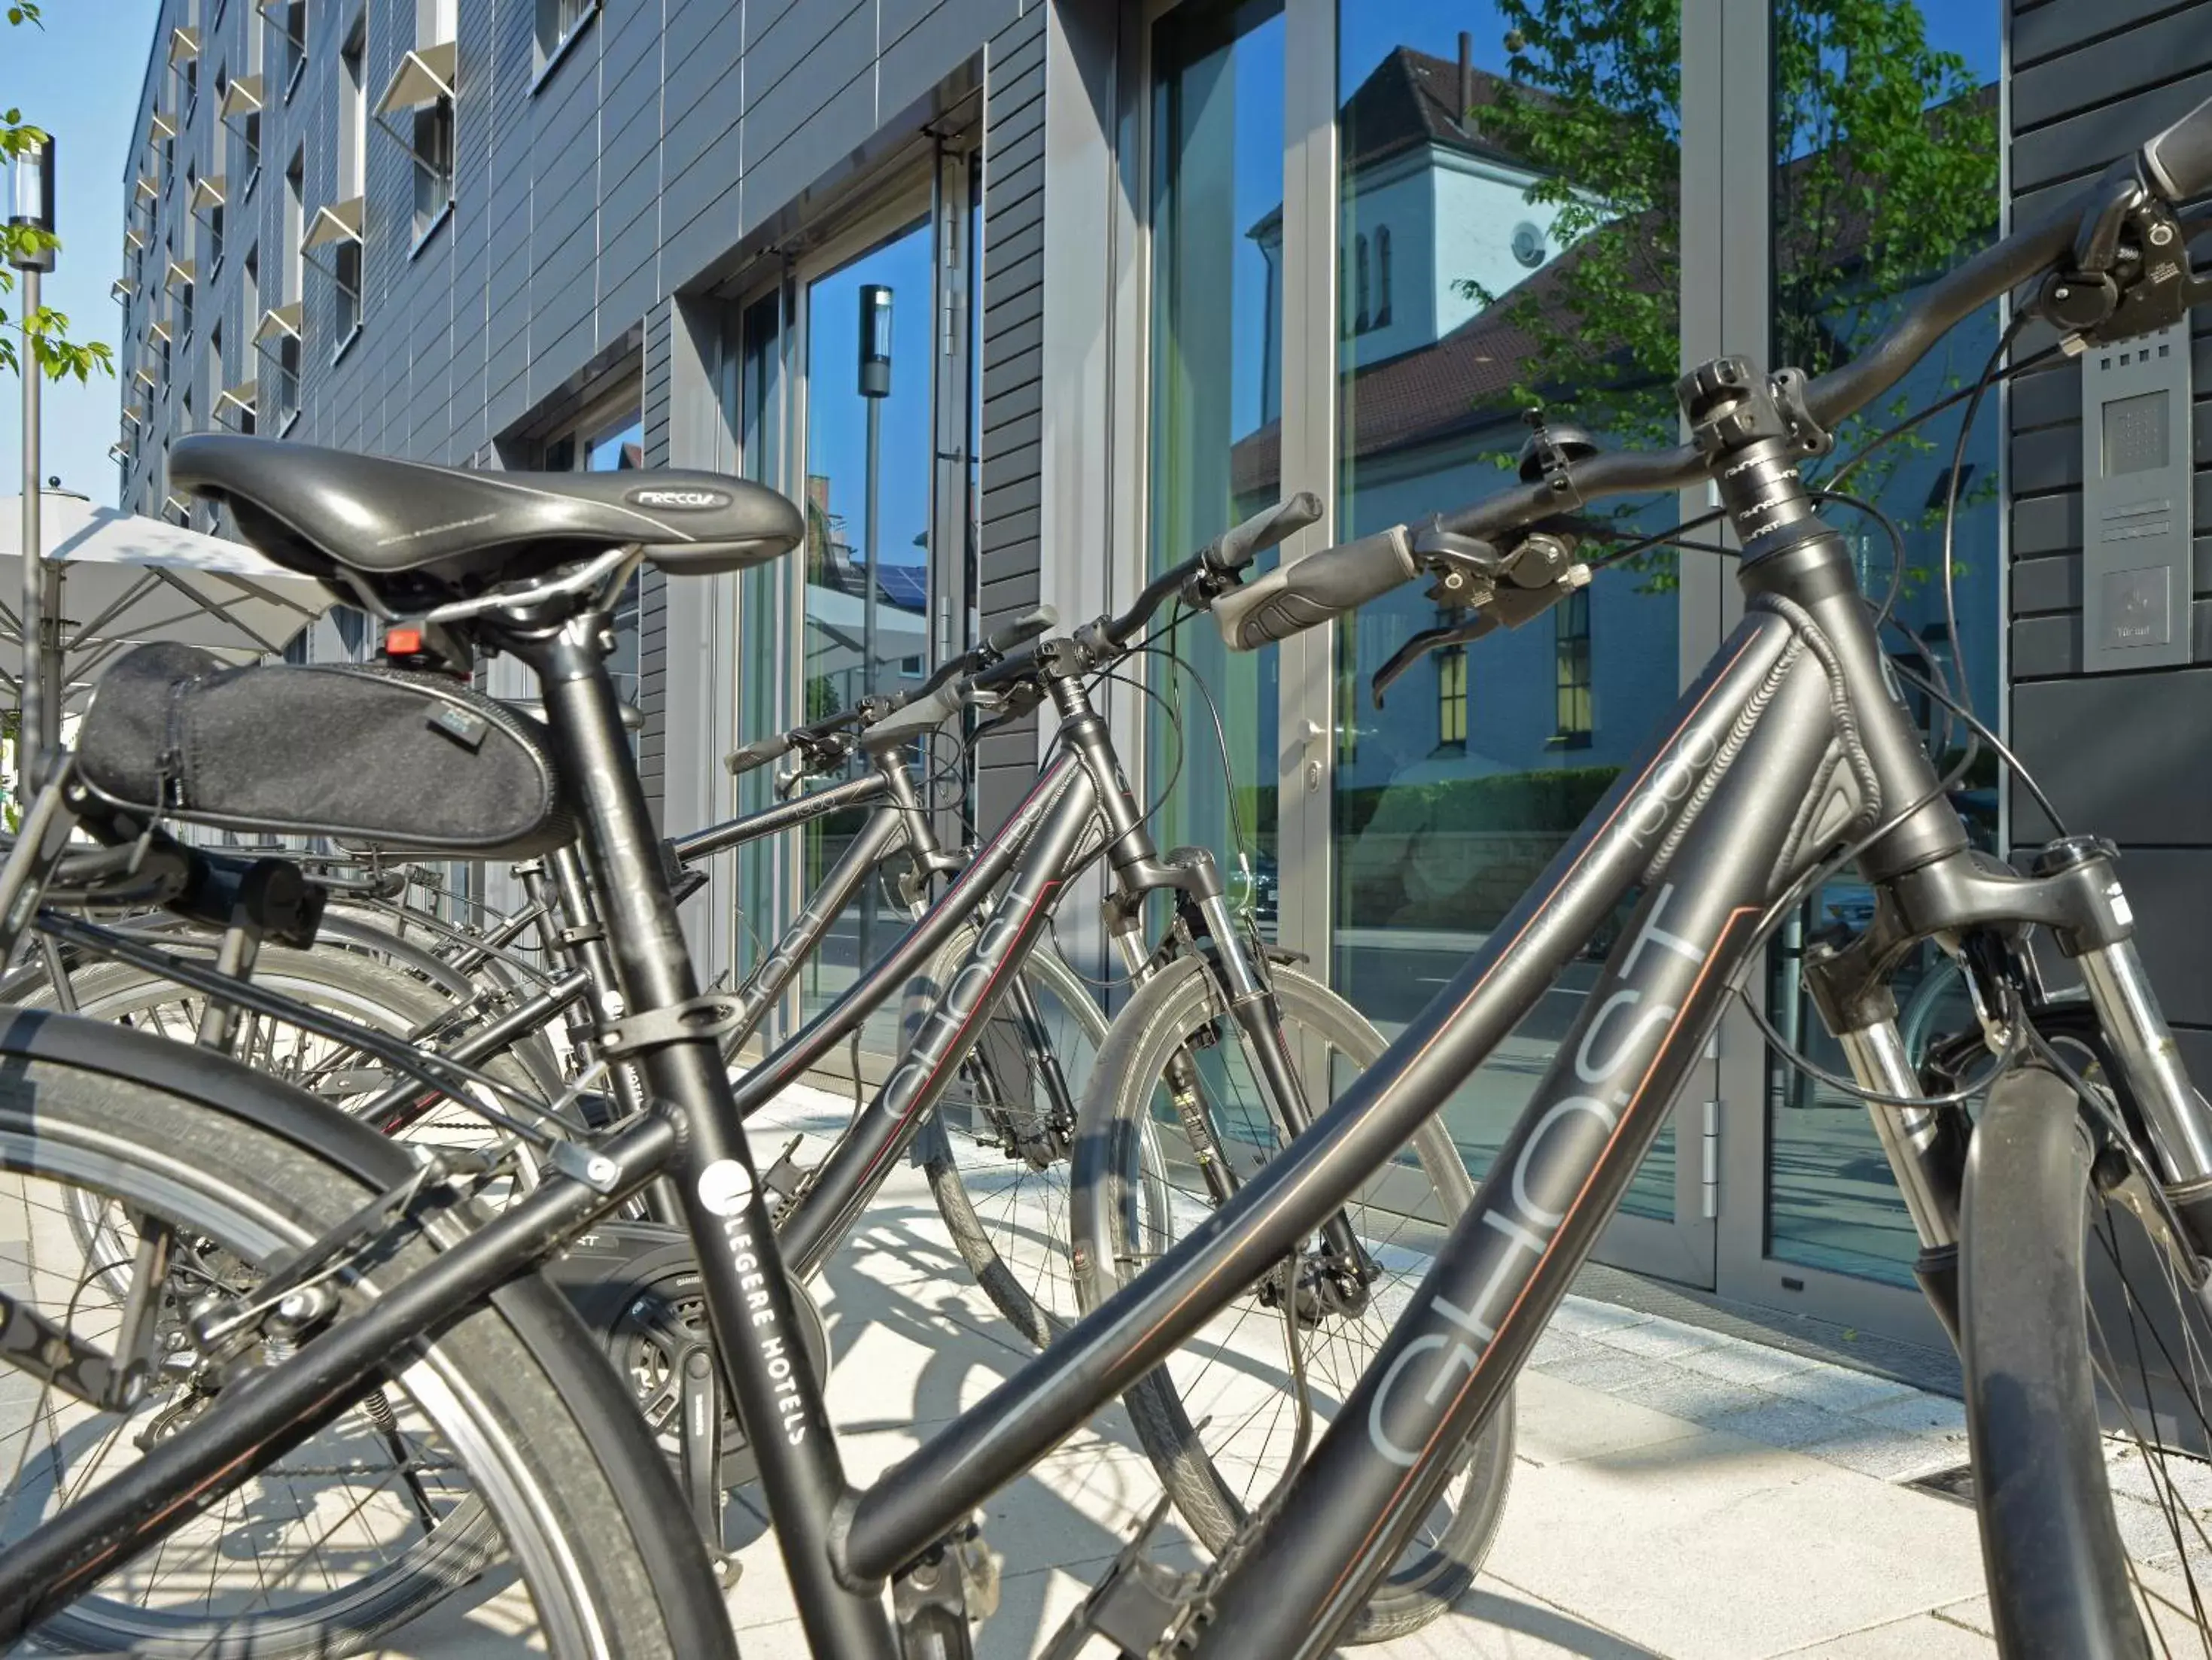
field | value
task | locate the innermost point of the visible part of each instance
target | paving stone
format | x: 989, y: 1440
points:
x: 1926, y: 1415
x: 1838, y: 1388
x: 1923, y: 1637
x: 1556, y: 1348
x: 1782, y: 1423
x: 2190, y: 1479
x: 1739, y: 1362
x: 1658, y: 1339
x: 1583, y: 1317
x: 1558, y: 1421
x: 1688, y: 1394
x: 1602, y: 1368
x: 1893, y: 1455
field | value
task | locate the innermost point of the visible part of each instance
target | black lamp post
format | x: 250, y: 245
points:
x: 875, y: 387
x: 31, y: 207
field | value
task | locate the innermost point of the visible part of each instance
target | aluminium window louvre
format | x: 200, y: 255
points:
x: 144, y: 377
x: 240, y: 397
x: 135, y: 414
x: 158, y: 328
x: 121, y: 289
x: 244, y: 98
x: 177, y: 503
x: 159, y: 126
x: 424, y: 75
x: 181, y: 274
x: 334, y: 223
x: 208, y: 192
x: 146, y: 189
x: 279, y: 324
x: 183, y: 44
x: 134, y: 240
x: 118, y: 454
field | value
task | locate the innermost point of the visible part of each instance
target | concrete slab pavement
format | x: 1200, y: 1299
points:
x: 1680, y: 1492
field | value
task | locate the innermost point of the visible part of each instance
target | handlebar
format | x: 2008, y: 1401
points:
x: 2176, y: 163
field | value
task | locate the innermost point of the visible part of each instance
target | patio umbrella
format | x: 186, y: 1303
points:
x: 126, y: 579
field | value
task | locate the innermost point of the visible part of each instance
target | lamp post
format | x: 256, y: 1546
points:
x: 875, y: 387
x: 31, y: 207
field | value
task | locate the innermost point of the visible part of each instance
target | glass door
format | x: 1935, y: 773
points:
x: 867, y: 462
x: 1492, y: 258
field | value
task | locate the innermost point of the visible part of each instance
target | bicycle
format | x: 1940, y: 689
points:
x: 1787, y: 752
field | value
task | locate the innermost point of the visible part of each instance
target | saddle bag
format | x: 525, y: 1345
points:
x: 396, y: 760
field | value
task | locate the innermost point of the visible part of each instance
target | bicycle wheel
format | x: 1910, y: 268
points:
x: 348, y: 984
x: 1219, y: 1418
x: 476, y: 1460
x: 996, y: 1151
x: 2066, y: 1303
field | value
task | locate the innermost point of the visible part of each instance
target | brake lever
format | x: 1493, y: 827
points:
x: 1428, y: 640
x: 1505, y: 607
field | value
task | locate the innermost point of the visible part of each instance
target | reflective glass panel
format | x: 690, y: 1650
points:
x: 1886, y: 176
x: 1508, y: 237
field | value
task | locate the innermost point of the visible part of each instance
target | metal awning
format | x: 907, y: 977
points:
x: 121, y: 289
x: 207, y: 193
x: 279, y: 322
x: 146, y: 188
x: 158, y: 328
x: 239, y: 397
x: 128, y: 579
x: 159, y: 127
x: 424, y: 75
x: 133, y: 413
x: 183, y: 44
x: 144, y: 376
x: 180, y: 274
x: 243, y: 99
x: 119, y: 453
x: 134, y: 240
x: 340, y: 222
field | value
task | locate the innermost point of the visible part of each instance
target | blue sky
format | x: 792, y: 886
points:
x: 79, y: 79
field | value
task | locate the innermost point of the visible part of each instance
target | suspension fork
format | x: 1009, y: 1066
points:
x: 1196, y: 879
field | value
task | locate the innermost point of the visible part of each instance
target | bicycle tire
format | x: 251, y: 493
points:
x: 559, y: 1465
x: 1117, y: 1121
x: 1027, y: 1279
x: 2052, y: 1550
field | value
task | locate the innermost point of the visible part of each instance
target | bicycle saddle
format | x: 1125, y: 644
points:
x: 422, y: 532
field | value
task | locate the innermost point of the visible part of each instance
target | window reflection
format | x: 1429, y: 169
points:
x: 1886, y: 176
x: 1509, y: 225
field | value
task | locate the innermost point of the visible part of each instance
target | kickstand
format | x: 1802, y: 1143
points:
x: 1138, y: 1606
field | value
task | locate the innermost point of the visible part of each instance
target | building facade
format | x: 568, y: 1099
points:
x: 1137, y: 268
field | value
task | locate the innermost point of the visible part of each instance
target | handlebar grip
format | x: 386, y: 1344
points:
x: 1295, y: 597
x: 2179, y: 159
x: 1236, y: 548
x: 922, y: 715
x: 758, y: 753
x: 1022, y: 630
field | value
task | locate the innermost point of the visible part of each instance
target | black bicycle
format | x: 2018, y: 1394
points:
x: 1789, y: 756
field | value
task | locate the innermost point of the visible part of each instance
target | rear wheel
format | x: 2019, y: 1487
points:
x: 475, y: 1464
x: 996, y: 1151
x: 1220, y: 1418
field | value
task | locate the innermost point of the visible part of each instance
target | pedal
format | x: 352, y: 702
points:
x: 1140, y: 1606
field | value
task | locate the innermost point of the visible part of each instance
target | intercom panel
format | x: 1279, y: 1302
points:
x: 2137, y: 456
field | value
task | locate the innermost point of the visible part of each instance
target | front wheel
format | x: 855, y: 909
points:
x: 1220, y: 1418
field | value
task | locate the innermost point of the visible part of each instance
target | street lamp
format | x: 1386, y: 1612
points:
x: 38, y: 726
x: 875, y: 387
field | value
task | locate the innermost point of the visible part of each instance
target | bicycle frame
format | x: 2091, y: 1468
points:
x: 1788, y: 743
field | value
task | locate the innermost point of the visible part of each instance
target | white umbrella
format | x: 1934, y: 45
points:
x: 129, y: 579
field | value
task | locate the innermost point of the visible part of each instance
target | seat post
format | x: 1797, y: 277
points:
x: 750, y: 1303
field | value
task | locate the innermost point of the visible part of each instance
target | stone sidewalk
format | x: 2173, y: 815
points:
x: 1679, y: 1491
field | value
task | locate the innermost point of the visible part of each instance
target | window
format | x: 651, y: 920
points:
x: 1570, y: 653
x: 295, y: 44
x: 211, y: 239
x: 612, y: 441
x: 295, y: 196
x: 1382, y: 277
x: 1451, y: 697
x: 558, y: 23
x: 284, y: 395
x: 353, y: 112
x: 433, y: 164
x: 249, y: 147
x: 345, y: 280
x: 1360, y: 319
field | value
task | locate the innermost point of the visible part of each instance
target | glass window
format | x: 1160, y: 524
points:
x: 869, y: 443
x: 763, y: 610
x: 617, y: 446
x: 1217, y: 194
x: 433, y: 164
x: 1529, y: 202
x: 1917, y: 85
